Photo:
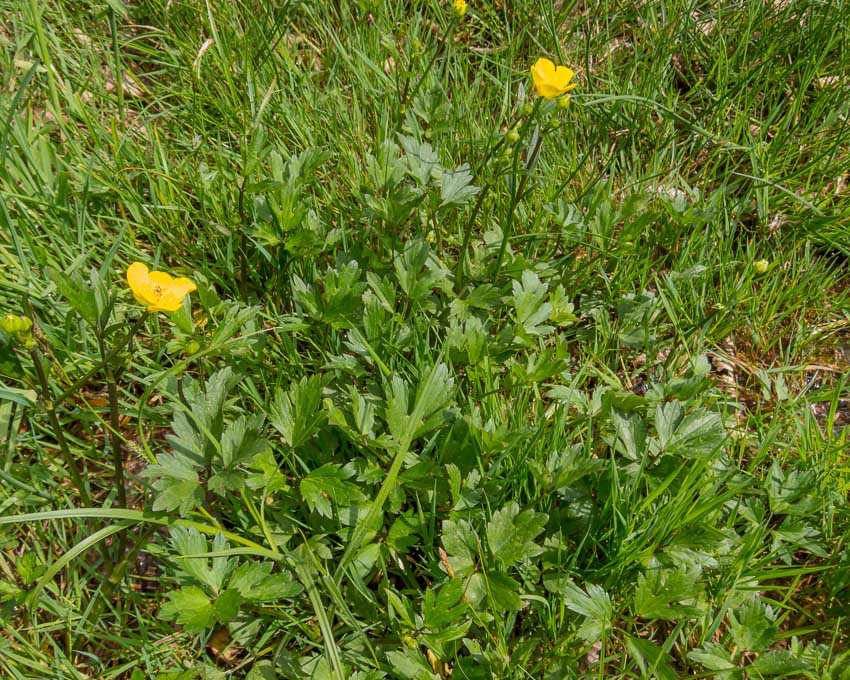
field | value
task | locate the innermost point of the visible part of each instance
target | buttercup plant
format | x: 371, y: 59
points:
x: 441, y: 375
x: 550, y: 82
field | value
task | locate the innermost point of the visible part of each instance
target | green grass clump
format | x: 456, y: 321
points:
x: 474, y: 384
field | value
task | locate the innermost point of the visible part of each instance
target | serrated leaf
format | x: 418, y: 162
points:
x: 385, y: 168
x: 189, y: 541
x: 530, y: 300
x: 780, y: 663
x: 562, y: 308
x: 187, y: 440
x: 660, y: 593
x: 267, y: 475
x: 461, y: 543
x: 79, y: 295
x: 190, y: 607
x: 753, y: 626
x: 630, y: 430
x: 564, y: 468
x: 210, y: 403
x: 410, y: 664
x: 594, y: 604
x: 242, y: 440
x: 651, y: 658
x: 798, y: 535
x: 791, y: 493
x: 503, y: 592
x: 226, y: 481
x: 177, y: 485
x: 446, y: 606
x: 715, y: 658
x: 435, y: 391
x: 191, y: 545
x: 255, y: 582
x: 697, y: 435
x: 456, y: 186
x: 297, y: 413
x: 668, y: 415
x: 398, y: 416
x: 342, y: 290
x: 511, y: 534
x: 422, y: 160
x: 418, y: 271
x: 325, y: 487
x: 401, y: 607
x: 226, y: 606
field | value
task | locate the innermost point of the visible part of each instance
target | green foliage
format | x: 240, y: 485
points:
x: 511, y: 534
x: 473, y: 384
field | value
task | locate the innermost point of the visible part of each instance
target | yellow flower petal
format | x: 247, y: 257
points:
x: 551, y: 82
x: 161, y: 278
x: 140, y: 282
x: 543, y: 68
x: 172, y: 296
x: 159, y: 291
x: 137, y: 276
x: 184, y: 286
x: 562, y: 78
x: 169, y: 302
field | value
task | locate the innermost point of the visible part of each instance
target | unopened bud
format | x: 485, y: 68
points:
x: 12, y: 323
x: 20, y: 328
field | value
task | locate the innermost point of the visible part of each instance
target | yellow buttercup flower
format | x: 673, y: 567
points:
x: 159, y: 291
x: 551, y: 82
x: 459, y: 8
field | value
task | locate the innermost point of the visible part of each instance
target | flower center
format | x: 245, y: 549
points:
x: 157, y: 290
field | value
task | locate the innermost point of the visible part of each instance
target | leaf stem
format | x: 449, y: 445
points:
x: 518, y: 193
x: 460, y: 266
x: 437, y: 52
x: 114, y: 424
x: 50, y: 408
x: 44, y: 54
x: 109, y: 357
x: 118, y: 75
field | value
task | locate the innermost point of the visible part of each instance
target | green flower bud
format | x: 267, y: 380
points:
x: 15, y: 324
x: 760, y: 266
